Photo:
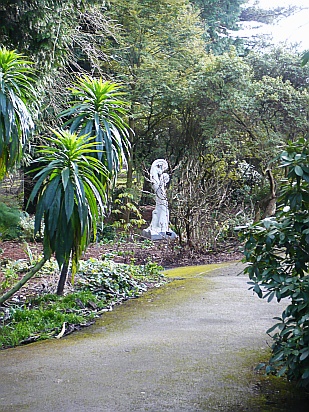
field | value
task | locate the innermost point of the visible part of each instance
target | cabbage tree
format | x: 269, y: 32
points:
x: 16, y: 95
x: 71, y: 197
x: 98, y: 111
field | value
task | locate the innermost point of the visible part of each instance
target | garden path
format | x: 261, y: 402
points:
x: 189, y: 346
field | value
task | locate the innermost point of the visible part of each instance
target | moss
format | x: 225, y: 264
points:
x: 269, y: 393
x: 188, y: 272
x: 226, y: 383
x: 185, y: 280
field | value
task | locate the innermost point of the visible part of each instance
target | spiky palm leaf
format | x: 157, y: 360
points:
x: 16, y: 93
x: 98, y: 111
x: 71, y: 195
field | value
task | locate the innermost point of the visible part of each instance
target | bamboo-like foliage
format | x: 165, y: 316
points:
x: 16, y: 94
x: 98, y: 111
x: 71, y: 195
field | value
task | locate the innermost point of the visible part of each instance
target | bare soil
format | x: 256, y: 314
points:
x: 166, y: 254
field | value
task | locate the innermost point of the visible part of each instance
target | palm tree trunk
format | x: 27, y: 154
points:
x: 63, y: 278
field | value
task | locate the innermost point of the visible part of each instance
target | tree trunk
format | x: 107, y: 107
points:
x: 63, y: 278
x: 147, y: 197
x: 22, y: 281
x: 131, y: 154
x: 129, y: 182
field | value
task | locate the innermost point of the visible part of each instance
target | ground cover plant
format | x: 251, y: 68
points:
x: 100, y: 284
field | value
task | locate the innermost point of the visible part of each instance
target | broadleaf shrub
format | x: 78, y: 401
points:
x: 277, y: 252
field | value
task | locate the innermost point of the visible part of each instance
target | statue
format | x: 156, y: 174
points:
x: 159, y: 227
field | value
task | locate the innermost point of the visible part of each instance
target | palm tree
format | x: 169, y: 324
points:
x: 97, y: 110
x: 71, y: 197
x: 74, y: 172
x: 16, y: 95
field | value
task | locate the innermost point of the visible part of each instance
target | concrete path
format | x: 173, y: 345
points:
x: 190, y: 346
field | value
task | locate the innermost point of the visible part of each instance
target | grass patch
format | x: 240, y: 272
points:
x: 43, y: 317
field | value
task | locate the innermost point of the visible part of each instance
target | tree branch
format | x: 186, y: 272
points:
x: 22, y: 281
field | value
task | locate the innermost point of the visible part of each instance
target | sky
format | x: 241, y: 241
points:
x: 293, y: 29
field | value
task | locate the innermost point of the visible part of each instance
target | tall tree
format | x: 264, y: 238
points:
x: 42, y: 29
x: 279, y: 62
x: 251, y: 116
x: 236, y: 123
x: 158, y: 53
x: 219, y: 17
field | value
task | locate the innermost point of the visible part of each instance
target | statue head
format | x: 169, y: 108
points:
x: 156, y: 171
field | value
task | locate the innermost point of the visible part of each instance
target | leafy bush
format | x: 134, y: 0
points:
x: 277, y: 252
x: 15, y: 224
x: 27, y: 228
x: 128, y: 216
x: 114, y: 281
x: 9, y: 278
x: 9, y: 222
x: 106, y: 234
x: 13, y: 269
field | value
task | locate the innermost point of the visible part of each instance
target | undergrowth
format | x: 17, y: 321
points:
x: 99, y: 285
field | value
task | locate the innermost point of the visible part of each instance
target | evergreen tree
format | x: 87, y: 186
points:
x: 157, y: 54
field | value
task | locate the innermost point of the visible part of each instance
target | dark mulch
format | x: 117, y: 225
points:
x: 165, y: 254
x: 168, y: 255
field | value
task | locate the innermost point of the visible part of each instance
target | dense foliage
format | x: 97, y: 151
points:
x: 156, y: 55
x: 9, y: 222
x: 277, y: 252
x: 43, y: 29
x: 219, y: 17
x: 16, y: 95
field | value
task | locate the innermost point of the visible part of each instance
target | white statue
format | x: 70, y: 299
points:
x: 159, y: 227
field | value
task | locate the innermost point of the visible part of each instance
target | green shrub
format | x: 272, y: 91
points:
x: 9, y: 222
x: 106, y: 234
x: 114, y: 281
x: 277, y: 252
x: 27, y: 228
